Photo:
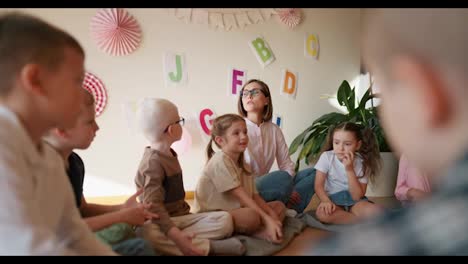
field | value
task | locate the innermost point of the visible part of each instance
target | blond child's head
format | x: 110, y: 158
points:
x: 159, y: 121
x: 419, y: 60
x: 41, y: 70
x: 82, y: 134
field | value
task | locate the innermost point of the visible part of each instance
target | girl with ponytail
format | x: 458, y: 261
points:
x: 227, y: 184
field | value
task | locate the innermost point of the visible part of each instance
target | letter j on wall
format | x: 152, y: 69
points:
x: 175, y: 69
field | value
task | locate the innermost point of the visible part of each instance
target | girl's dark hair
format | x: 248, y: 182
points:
x: 267, y: 111
x: 369, y: 150
x: 220, y: 125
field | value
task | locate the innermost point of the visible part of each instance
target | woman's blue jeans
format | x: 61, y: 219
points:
x: 279, y: 185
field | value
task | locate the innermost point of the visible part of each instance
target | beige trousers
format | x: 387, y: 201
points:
x: 205, y: 226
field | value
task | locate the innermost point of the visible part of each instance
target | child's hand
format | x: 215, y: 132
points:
x: 132, y: 200
x: 348, y: 161
x: 138, y: 215
x: 184, y: 242
x: 327, y: 207
x: 274, y: 230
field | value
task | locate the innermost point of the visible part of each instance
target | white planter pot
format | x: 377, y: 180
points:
x: 385, y: 183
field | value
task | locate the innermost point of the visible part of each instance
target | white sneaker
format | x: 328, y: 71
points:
x: 291, y: 212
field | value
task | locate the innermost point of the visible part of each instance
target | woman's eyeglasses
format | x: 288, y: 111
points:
x: 181, y: 121
x: 253, y: 92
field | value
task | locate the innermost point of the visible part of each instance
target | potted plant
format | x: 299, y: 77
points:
x: 310, y: 141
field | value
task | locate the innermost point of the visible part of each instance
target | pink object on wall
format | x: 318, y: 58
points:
x: 184, y: 144
x: 96, y: 87
x: 115, y: 31
x: 290, y: 16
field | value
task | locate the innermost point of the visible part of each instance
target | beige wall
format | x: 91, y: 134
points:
x: 114, y: 156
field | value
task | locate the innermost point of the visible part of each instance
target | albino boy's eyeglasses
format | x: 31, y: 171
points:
x: 253, y: 92
x: 181, y: 121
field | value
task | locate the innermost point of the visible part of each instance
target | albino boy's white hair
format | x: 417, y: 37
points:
x: 154, y: 115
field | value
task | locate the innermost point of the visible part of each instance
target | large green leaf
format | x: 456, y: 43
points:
x: 351, y: 101
x: 327, y: 118
x: 366, y: 97
x: 306, y: 149
x: 343, y: 93
x: 296, y: 142
x: 315, y: 151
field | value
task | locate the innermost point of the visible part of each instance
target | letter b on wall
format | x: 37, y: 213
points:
x: 262, y: 51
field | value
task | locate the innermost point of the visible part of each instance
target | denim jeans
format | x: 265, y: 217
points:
x: 343, y: 198
x: 304, y: 184
x: 278, y: 186
x: 275, y: 186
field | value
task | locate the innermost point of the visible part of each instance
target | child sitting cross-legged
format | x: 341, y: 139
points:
x: 177, y: 231
x: 227, y: 184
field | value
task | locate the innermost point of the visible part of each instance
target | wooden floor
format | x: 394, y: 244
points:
x: 297, y: 247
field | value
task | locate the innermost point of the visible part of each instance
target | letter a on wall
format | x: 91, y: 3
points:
x: 289, y: 84
x: 175, y: 69
x: 311, y: 46
x: 236, y: 79
x: 262, y: 51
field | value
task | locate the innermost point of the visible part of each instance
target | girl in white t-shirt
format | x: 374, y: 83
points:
x: 227, y: 184
x: 349, y: 159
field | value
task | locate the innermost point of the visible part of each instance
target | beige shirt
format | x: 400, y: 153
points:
x: 161, y: 176
x: 38, y: 213
x: 220, y: 175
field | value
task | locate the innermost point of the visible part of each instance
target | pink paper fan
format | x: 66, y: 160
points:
x: 290, y: 16
x: 115, y: 31
x: 96, y: 87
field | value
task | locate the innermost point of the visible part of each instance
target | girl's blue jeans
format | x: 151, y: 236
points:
x: 279, y: 185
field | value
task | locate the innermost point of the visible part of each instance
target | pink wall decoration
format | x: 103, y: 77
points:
x: 96, y: 87
x: 290, y: 16
x: 115, y: 31
x: 184, y: 144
